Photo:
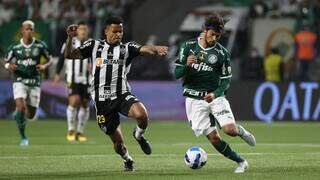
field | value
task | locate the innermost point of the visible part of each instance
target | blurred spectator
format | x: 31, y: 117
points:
x: 252, y: 66
x: 6, y: 12
x: 305, y: 50
x: 273, y: 66
x: 49, y: 9
x: 258, y: 9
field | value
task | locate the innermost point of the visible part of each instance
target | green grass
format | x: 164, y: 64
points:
x: 284, y: 151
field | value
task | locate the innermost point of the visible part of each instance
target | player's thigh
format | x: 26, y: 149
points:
x: 222, y: 112
x: 74, y: 100
x: 84, y: 95
x: 131, y: 106
x: 107, y: 118
x: 198, y: 113
x: 138, y: 111
x: 33, y: 99
x: 19, y: 93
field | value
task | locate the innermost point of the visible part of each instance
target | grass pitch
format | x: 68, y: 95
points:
x: 284, y: 151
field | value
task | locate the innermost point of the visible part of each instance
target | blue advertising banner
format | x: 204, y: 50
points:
x: 265, y: 101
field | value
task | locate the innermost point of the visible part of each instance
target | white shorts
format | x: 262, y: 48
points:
x: 198, y: 112
x: 31, y: 94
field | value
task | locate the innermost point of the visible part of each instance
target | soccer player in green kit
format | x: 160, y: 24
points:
x: 23, y: 60
x: 204, y: 66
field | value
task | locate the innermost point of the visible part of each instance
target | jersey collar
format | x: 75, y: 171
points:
x: 206, y: 49
x: 27, y: 46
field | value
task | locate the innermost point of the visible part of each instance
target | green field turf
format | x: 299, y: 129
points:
x: 284, y: 151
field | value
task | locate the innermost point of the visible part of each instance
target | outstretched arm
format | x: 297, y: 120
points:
x: 154, y: 50
x: 70, y: 53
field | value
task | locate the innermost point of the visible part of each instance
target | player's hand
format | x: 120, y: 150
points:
x: 209, y: 97
x: 162, y: 50
x: 12, y: 67
x: 192, y: 59
x: 40, y: 67
x: 72, y: 30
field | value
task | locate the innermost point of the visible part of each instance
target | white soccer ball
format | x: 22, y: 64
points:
x: 195, y: 157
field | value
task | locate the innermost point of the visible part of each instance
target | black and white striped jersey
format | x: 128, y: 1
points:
x: 111, y: 64
x: 77, y: 71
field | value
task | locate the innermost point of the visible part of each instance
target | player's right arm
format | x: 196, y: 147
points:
x: 82, y: 52
x: 69, y: 52
x: 7, y: 60
x: 183, y: 61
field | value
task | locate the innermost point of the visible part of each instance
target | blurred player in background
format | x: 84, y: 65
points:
x: 23, y: 60
x: 110, y: 89
x: 204, y: 66
x: 78, y: 75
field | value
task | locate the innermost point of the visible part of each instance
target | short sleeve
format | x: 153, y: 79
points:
x: 45, y: 50
x: 86, y: 49
x: 9, y: 55
x: 226, y: 67
x: 183, y: 54
x: 134, y: 49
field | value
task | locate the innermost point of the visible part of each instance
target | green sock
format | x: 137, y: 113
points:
x: 21, y: 122
x: 226, y: 150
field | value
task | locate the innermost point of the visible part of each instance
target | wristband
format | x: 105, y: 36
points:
x: 7, y: 65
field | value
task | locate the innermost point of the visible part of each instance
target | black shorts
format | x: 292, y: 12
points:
x: 79, y: 89
x: 107, y: 111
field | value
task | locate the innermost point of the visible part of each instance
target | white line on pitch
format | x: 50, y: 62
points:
x: 140, y: 155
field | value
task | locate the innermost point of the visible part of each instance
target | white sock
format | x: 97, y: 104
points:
x: 83, y: 117
x: 71, y: 117
x: 126, y: 156
x: 139, y: 132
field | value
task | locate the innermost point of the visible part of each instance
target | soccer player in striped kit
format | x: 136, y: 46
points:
x: 110, y: 89
x: 78, y: 82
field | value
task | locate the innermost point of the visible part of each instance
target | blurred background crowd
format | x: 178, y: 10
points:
x: 273, y: 40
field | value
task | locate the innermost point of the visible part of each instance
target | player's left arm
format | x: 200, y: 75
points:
x: 47, y: 55
x: 225, y: 80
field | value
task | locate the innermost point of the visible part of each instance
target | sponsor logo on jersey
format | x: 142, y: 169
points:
x: 27, y: 62
x: 202, y: 67
x: 212, y: 58
x: 102, y: 61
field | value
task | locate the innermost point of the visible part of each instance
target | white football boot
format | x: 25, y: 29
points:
x: 243, y: 166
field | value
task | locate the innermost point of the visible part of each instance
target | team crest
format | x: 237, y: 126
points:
x: 212, y: 58
x: 35, y: 52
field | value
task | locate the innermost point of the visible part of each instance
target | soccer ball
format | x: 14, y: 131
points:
x: 195, y: 157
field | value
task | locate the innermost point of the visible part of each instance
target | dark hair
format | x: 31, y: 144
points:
x: 214, y: 22
x: 82, y: 23
x: 113, y: 20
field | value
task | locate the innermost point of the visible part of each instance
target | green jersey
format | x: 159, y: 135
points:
x: 211, y: 72
x: 26, y: 57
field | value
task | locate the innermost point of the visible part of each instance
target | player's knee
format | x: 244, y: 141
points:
x: 230, y: 130
x: 20, y: 107
x: 215, y: 140
x: 143, y: 116
x: 31, y: 115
